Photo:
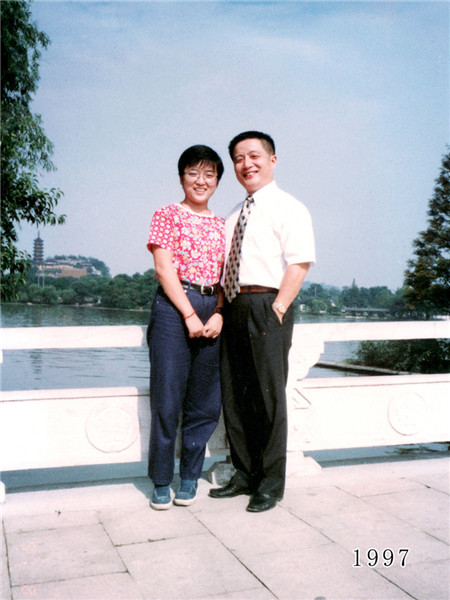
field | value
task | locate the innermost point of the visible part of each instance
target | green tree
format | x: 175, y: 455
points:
x: 68, y: 296
x: 398, y: 306
x: 63, y: 283
x: 427, y: 278
x: 318, y: 306
x: 25, y: 148
x: 34, y: 292
x: 100, y: 265
x: 49, y: 295
x: 382, y: 297
x: 413, y: 356
x: 121, y: 292
x: 351, y: 296
x: 316, y: 291
x: 85, y: 289
x: 147, y: 286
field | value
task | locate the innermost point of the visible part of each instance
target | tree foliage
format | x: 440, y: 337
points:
x: 374, y: 297
x: 428, y: 275
x: 25, y: 148
x: 413, y: 356
x: 121, y: 291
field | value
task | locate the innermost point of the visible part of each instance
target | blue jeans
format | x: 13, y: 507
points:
x: 184, y: 380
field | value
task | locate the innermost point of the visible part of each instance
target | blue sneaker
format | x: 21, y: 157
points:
x: 161, y: 499
x: 187, y: 493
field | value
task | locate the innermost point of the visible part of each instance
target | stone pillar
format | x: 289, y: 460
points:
x: 304, y: 354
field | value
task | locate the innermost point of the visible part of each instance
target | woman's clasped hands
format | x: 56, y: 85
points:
x: 211, y: 329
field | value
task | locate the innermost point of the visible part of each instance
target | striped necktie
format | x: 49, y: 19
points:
x: 231, y: 280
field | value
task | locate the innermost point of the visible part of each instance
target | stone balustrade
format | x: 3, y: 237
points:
x: 74, y: 427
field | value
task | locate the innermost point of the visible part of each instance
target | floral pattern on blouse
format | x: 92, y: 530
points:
x: 197, y: 242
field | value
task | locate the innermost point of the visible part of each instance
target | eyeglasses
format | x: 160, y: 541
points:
x: 207, y: 175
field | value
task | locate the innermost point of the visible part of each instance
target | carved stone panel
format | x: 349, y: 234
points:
x: 112, y: 427
x: 407, y: 413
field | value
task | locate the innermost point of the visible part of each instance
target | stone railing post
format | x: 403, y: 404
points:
x: 304, y: 354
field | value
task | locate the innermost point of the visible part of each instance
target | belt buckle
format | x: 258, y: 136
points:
x: 203, y: 289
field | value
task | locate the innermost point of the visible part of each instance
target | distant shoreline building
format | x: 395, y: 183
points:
x: 60, y: 266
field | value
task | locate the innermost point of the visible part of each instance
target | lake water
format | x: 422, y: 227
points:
x: 111, y: 367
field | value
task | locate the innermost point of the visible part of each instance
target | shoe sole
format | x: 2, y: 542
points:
x: 180, y: 502
x: 263, y: 508
x: 257, y: 510
x: 161, y: 506
x: 221, y: 496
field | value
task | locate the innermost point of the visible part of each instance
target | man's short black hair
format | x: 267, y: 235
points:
x: 200, y: 154
x: 265, y: 138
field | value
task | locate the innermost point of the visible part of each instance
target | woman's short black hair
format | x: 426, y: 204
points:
x: 265, y: 138
x: 200, y: 154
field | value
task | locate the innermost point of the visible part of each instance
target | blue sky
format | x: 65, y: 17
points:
x: 355, y: 94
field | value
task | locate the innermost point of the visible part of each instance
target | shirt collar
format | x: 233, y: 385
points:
x: 265, y: 191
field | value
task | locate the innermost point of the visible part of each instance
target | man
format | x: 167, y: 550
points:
x: 270, y: 262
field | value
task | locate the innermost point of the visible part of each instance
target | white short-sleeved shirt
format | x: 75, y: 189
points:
x: 279, y: 233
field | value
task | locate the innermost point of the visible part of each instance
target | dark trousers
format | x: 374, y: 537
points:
x: 254, y: 376
x: 184, y: 380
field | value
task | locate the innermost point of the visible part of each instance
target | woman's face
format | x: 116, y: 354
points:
x: 199, y: 183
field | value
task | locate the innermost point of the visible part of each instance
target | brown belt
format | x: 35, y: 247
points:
x: 255, y: 289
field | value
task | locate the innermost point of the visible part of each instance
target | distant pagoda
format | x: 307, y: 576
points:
x: 38, y: 252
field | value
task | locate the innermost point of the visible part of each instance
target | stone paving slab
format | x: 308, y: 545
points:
x: 413, y: 507
x: 440, y: 482
x: 144, y: 525
x: 324, y: 572
x: 52, y: 554
x: 319, y: 501
x: 104, y: 542
x: 375, y: 528
x: 426, y: 581
x: 193, y: 567
x: 391, y: 476
x: 246, y: 533
x: 375, y: 486
x: 261, y: 593
x: 50, y: 520
x: 115, y: 586
x: 79, y: 497
x: 5, y: 587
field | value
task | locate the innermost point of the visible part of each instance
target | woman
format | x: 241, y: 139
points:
x: 188, y: 245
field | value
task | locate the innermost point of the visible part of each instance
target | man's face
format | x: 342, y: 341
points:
x: 253, y: 164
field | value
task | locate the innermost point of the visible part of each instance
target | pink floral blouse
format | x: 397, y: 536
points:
x: 197, y: 242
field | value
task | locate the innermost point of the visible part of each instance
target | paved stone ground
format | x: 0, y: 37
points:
x: 104, y: 542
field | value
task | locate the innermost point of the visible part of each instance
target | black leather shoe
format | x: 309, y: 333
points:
x: 261, y: 502
x: 229, y: 491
